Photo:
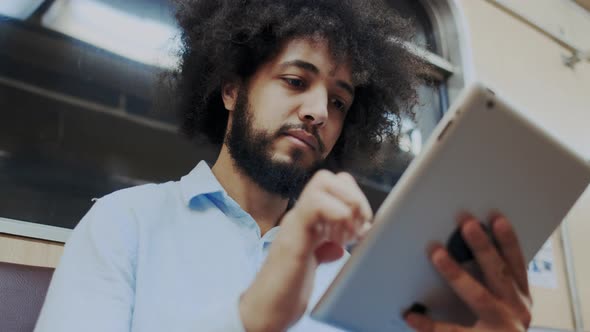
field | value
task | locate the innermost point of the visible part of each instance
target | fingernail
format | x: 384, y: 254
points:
x: 328, y: 231
x: 319, y: 228
x: 469, y: 222
x: 477, y: 232
x: 464, y: 217
x: 357, y: 226
x: 441, y: 260
x: 365, y: 228
x: 501, y: 221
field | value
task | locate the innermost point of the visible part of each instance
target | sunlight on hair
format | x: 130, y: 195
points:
x: 411, y: 138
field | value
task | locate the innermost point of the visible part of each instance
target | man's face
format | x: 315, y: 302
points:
x: 288, y: 119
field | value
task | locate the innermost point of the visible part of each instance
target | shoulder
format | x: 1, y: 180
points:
x: 127, y: 209
x: 140, y: 196
x: 141, y: 200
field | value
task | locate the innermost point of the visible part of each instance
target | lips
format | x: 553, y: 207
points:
x: 304, y: 137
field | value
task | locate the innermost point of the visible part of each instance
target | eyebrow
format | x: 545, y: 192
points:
x: 312, y: 68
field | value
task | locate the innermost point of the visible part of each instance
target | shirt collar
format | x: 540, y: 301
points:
x: 199, y: 181
x: 202, y: 181
x: 270, y: 235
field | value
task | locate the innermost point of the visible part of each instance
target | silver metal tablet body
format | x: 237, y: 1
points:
x: 484, y: 156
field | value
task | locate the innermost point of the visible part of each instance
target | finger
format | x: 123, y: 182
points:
x: 336, y: 233
x: 353, y: 191
x: 344, y: 187
x: 424, y: 323
x: 331, y: 219
x: 495, y: 270
x: 512, y: 252
x: 483, y: 303
x: 328, y: 252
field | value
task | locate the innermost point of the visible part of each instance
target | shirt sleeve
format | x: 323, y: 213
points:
x: 93, y: 287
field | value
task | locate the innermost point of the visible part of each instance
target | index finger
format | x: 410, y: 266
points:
x: 511, y: 251
x: 483, y: 303
x: 349, y: 191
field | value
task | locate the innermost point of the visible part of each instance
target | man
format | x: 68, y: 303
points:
x: 286, y: 88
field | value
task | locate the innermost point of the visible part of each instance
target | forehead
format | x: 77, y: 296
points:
x: 317, y: 52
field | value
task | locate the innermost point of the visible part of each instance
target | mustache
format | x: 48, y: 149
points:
x: 312, y: 130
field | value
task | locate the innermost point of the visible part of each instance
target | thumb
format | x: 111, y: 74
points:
x: 328, y: 252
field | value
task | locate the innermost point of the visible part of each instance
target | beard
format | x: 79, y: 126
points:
x: 251, y: 151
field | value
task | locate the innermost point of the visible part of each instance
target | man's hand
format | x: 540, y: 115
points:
x: 331, y: 211
x: 504, y: 303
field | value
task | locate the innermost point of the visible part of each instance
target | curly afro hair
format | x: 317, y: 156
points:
x: 227, y: 39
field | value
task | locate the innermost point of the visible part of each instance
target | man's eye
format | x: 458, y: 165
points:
x: 339, y: 104
x: 295, y: 82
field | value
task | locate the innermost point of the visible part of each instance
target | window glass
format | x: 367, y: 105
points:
x: 424, y: 37
x: 414, y: 132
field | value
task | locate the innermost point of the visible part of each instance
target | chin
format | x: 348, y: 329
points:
x: 295, y: 159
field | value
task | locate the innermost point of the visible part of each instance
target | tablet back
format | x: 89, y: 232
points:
x: 483, y: 157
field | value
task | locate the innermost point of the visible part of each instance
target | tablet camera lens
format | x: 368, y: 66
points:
x: 458, y: 248
x: 417, y: 308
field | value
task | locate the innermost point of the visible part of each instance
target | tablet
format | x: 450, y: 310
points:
x: 484, y: 156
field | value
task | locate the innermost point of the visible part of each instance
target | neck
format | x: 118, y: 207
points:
x: 266, y: 208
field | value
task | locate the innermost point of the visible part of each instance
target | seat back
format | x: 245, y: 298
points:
x: 22, y: 292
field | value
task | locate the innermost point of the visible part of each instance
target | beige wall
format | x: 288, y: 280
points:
x: 552, y: 308
x: 526, y: 66
x: 565, y: 18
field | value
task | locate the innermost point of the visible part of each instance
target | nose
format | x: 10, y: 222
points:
x: 314, y: 110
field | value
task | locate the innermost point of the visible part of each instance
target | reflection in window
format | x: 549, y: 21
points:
x: 127, y: 31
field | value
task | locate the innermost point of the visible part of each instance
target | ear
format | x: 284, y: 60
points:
x: 229, y: 93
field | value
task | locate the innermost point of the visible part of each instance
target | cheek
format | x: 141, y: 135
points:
x: 331, y: 136
x: 269, y: 110
x: 264, y: 118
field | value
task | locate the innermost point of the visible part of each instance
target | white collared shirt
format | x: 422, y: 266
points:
x: 164, y: 258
